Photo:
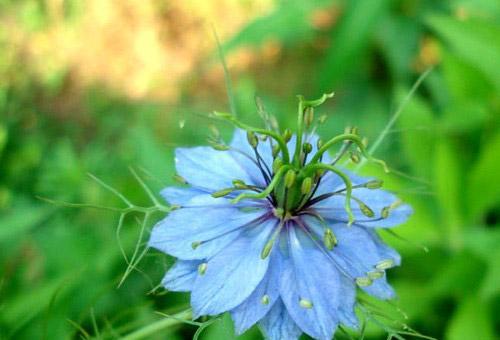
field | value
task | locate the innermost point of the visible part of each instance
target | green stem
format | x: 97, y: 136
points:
x: 155, y: 327
x: 300, y: 119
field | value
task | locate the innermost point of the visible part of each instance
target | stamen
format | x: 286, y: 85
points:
x: 270, y: 243
x: 290, y: 178
x: 329, y: 239
x: 374, y: 184
x: 304, y: 303
x: 202, y: 268
x: 196, y: 244
x: 375, y: 274
x: 265, y: 299
x: 363, y: 281
x: 287, y: 135
x: 277, y: 177
x: 179, y: 179
x: 385, y: 264
x: 222, y: 192
x: 306, y: 186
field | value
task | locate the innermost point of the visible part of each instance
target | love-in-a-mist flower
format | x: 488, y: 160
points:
x: 270, y: 229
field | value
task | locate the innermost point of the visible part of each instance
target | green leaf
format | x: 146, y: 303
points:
x: 491, y: 283
x: 350, y: 38
x: 473, y: 40
x: 20, y: 219
x: 471, y: 321
x: 483, y: 191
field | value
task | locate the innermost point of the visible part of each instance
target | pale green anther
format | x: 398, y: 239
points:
x: 214, y: 131
x: 277, y: 163
x: 222, y: 193
x: 195, y: 244
x: 276, y: 150
x: 319, y: 143
x: 329, y: 239
x: 355, y: 157
x: 304, y: 303
x: 238, y: 183
x: 252, y: 139
x: 366, y: 210
x: 279, y: 212
x: 202, y: 268
x: 180, y: 179
x: 322, y: 119
x: 363, y: 281
x: 375, y: 274
x: 290, y: 178
x: 374, y: 184
x: 306, y: 186
x: 307, y: 148
x: 385, y: 264
x: 309, y: 116
x: 263, y: 137
x: 267, y: 248
x: 385, y: 212
x: 219, y: 146
x: 287, y: 135
x: 265, y: 299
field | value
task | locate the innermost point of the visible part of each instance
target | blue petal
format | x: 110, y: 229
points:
x: 209, y: 169
x: 179, y: 195
x: 217, y: 222
x: 333, y: 207
x: 233, y: 274
x: 278, y: 325
x: 358, y: 251
x: 252, y: 309
x: 309, y: 274
x: 181, y: 277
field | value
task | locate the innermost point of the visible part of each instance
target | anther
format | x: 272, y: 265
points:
x: 309, y: 116
x: 202, y: 268
x: 329, y: 239
x: 252, y: 139
x: 180, y: 179
x: 385, y: 212
x: 385, y: 264
x: 355, y: 157
x: 322, y: 119
x: 304, y: 303
x: 375, y: 274
x: 319, y: 143
x: 265, y: 299
x: 306, y: 186
x: 267, y: 248
x: 366, y: 210
x: 238, y: 183
x: 195, y: 244
x: 277, y: 163
x: 287, y: 135
x: 290, y: 178
x: 363, y: 281
x: 219, y: 146
x: 276, y: 150
x: 374, y: 184
x: 222, y: 193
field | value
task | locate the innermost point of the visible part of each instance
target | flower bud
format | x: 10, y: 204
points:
x: 307, y: 148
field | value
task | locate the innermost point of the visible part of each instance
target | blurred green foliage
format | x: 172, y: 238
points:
x: 60, y: 267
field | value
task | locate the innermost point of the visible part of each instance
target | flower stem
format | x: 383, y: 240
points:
x: 155, y: 327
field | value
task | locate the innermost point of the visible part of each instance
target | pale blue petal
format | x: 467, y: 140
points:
x: 209, y: 169
x: 278, y: 325
x: 234, y: 273
x: 310, y: 275
x: 333, y: 207
x: 252, y: 309
x: 181, y: 277
x: 179, y: 195
x: 214, y: 222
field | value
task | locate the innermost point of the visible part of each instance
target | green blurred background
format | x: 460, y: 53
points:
x: 99, y: 86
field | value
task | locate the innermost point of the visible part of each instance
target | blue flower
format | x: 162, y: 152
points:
x: 277, y: 240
